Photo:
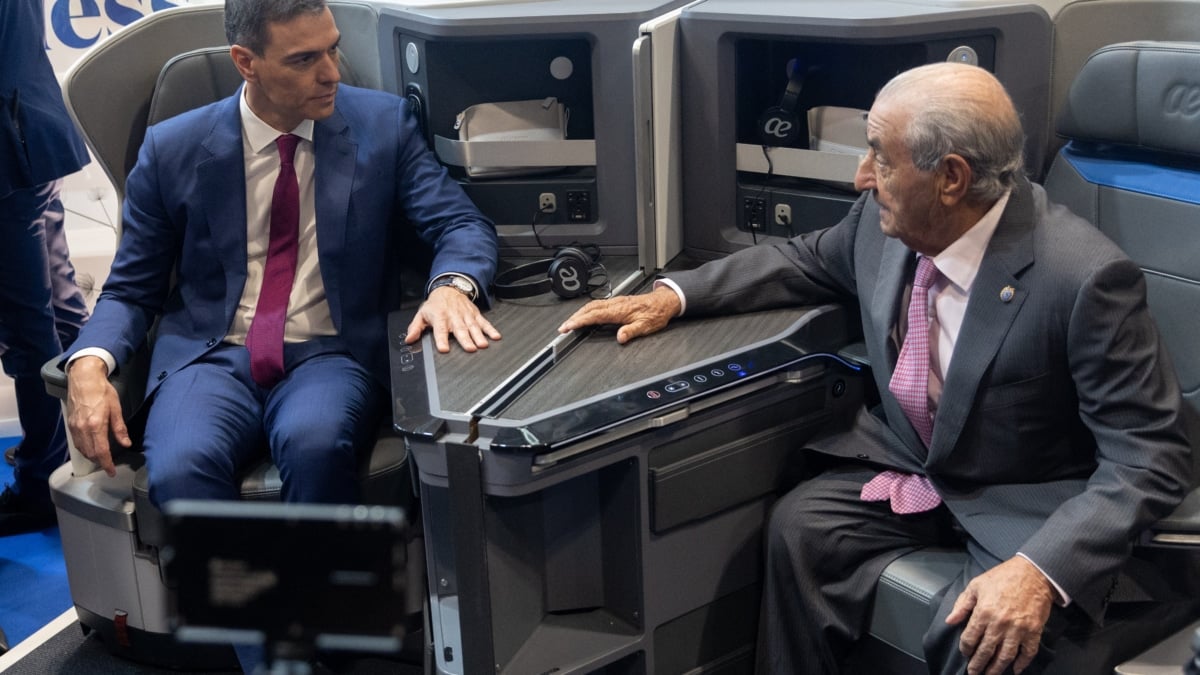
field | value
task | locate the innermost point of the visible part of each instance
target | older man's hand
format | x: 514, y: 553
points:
x: 1006, y: 609
x: 637, y: 315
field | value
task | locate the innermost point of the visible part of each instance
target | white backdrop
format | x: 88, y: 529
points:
x: 73, y: 26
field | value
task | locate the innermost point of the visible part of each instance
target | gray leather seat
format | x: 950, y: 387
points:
x: 1131, y: 166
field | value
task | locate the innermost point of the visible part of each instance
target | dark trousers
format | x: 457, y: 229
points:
x: 40, y: 308
x: 826, y: 549
x: 209, y: 421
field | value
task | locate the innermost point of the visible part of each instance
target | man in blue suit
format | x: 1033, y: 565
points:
x: 38, y: 146
x: 204, y: 205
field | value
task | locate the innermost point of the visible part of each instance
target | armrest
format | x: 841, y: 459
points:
x: 856, y: 352
x: 1182, y: 527
x: 129, y: 381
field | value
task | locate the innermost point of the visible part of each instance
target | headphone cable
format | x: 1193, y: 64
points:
x: 537, y: 216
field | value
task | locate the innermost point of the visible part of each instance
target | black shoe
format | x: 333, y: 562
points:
x: 18, y: 516
x: 10, y: 455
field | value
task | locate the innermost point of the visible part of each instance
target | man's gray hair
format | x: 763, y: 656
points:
x: 952, y: 120
x: 246, y: 21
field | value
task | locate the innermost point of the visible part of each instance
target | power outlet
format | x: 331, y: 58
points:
x: 547, y: 202
x: 783, y: 214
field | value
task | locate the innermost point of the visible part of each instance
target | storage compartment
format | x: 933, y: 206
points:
x: 563, y: 570
x: 449, y: 58
x: 754, y: 71
x: 747, y: 458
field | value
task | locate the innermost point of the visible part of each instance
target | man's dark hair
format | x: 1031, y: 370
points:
x: 246, y: 21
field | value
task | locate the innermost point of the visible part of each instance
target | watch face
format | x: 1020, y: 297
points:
x: 459, y: 284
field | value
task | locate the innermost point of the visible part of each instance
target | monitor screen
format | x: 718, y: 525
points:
x: 310, y: 575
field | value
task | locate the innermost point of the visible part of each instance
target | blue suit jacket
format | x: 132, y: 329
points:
x: 182, y: 253
x: 38, y: 141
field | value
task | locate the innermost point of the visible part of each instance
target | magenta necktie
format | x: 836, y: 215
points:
x: 264, y: 340
x: 910, y: 384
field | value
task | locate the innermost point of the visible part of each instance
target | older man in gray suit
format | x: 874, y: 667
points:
x: 1029, y: 410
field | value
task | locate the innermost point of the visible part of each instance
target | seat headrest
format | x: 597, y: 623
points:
x: 191, y: 80
x: 1144, y: 94
x: 202, y: 76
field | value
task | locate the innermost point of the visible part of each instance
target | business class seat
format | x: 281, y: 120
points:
x: 170, y: 62
x: 1131, y: 166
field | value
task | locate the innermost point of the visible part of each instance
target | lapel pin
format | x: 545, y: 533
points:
x: 1007, y: 293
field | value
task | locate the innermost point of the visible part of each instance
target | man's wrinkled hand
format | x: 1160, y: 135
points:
x: 94, y: 411
x: 447, y: 312
x: 1006, y: 609
x: 636, y: 315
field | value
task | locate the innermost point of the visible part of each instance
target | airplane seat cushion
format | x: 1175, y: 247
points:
x: 907, y: 589
x: 1137, y: 95
x: 384, y: 479
x: 1132, y: 167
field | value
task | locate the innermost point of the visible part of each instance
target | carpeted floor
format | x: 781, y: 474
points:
x: 33, y: 577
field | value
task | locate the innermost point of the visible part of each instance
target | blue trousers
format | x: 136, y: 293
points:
x: 41, y: 311
x: 209, y: 421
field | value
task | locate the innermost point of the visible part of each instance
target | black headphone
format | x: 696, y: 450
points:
x: 780, y: 125
x: 568, y: 274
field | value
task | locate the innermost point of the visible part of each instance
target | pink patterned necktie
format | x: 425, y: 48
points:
x: 264, y: 340
x: 910, y: 385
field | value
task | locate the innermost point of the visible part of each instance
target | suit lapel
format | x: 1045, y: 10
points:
x: 335, y: 161
x: 221, y: 175
x: 996, y: 299
x: 895, y: 267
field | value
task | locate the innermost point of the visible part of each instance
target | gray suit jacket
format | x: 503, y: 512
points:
x: 1059, y: 432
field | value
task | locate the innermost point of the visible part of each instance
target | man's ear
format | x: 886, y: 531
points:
x: 243, y: 60
x: 956, y: 177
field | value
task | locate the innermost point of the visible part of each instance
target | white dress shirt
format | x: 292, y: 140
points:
x: 308, y: 311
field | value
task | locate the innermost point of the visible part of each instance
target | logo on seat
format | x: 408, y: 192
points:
x: 1183, y: 100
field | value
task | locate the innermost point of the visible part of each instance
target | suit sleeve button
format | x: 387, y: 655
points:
x: 162, y: 376
x: 863, y: 455
x: 211, y: 342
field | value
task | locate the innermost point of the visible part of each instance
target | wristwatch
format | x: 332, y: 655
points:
x: 458, y: 281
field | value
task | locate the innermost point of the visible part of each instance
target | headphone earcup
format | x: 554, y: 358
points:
x: 779, y: 126
x: 569, y: 272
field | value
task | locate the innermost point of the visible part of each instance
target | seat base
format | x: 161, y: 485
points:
x: 910, y: 585
x: 115, y: 581
x: 1166, y: 657
x: 906, y: 591
x: 155, y: 649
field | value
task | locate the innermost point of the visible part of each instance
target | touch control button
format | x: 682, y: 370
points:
x: 700, y: 379
x: 673, y: 387
x: 717, y: 372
